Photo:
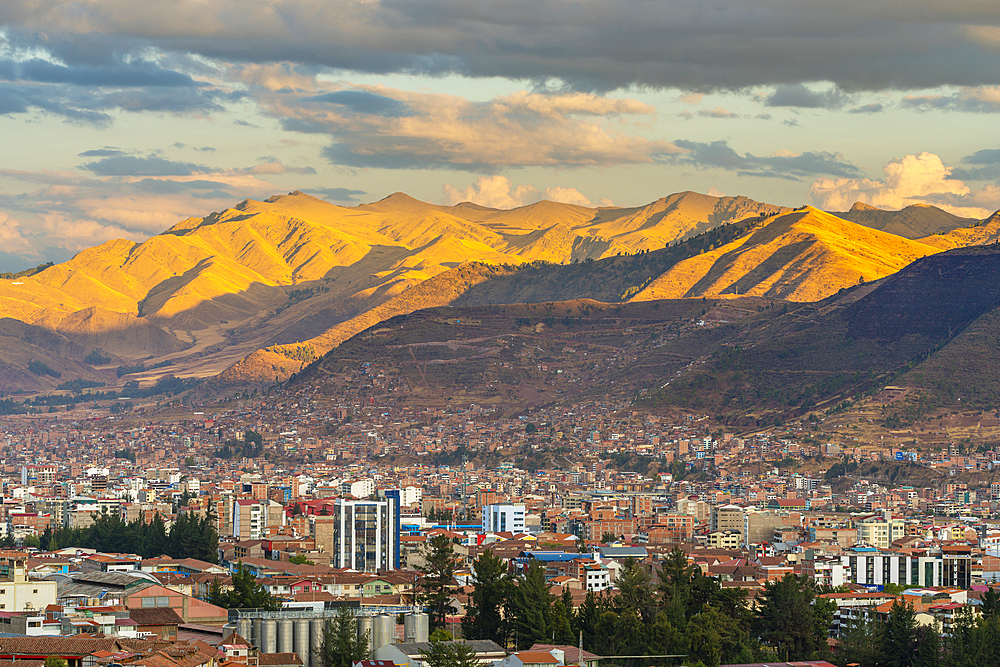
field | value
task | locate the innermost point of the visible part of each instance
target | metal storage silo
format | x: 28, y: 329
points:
x: 423, y: 624
x: 285, y: 636
x: 385, y: 629
x: 269, y: 636
x: 366, y: 626
x: 300, y: 636
x: 316, y: 626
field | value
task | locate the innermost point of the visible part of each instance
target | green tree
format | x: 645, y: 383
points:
x: 898, y: 645
x: 438, y: 585
x: 531, y: 607
x: 300, y: 559
x: 55, y: 661
x: 991, y: 603
x: 450, y: 654
x: 491, y: 588
x: 790, y: 622
x: 341, y: 645
x: 246, y: 593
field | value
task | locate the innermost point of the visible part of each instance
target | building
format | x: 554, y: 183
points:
x: 880, y: 530
x: 252, y: 516
x: 17, y: 592
x: 503, y: 519
x: 361, y: 534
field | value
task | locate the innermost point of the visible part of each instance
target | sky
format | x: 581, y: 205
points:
x: 120, y: 118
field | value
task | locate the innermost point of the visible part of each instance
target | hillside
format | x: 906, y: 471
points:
x: 913, y: 222
x: 210, y: 291
x: 920, y: 327
x: 297, y: 276
x: 804, y: 255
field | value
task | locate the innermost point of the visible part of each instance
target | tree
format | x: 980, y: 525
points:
x: 609, y: 538
x: 898, y: 645
x: 991, y: 603
x: 532, y: 607
x: 492, y: 588
x: 246, y: 593
x: 450, y: 654
x: 341, y: 644
x: 300, y: 559
x: 438, y: 579
x: 55, y: 661
x: 790, y: 622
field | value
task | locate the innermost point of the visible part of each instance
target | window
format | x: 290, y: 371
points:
x: 34, y: 591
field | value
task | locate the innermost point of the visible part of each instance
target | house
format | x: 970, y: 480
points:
x: 529, y: 659
x: 570, y: 654
x: 412, y: 654
x: 160, y: 622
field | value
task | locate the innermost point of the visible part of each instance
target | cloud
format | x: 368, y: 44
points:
x: 273, y: 166
x: 719, y: 155
x: 874, y: 107
x: 983, y: 165
x: 116, y: 196
x: 798, y: 95
x: 914, y: 179
x: 500, y: 192
x: 363, y: 102
x: 370, y: 129
x: 852, y: 44
x: 970, y: 100
x: 692, y: 98
x: 130, y: 165
x: 338, y: 194
x: 718, y: 112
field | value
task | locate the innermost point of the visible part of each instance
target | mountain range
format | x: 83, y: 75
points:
x: 253, y: 292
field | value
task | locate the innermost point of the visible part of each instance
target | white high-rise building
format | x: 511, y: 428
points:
x: 503, y: 518
x: 365, y: 534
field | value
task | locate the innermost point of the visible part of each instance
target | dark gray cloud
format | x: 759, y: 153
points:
x: 798, y: 95
x: 102, y: 152
x: 132, y: 75
x: 162, y: 187
x: 338, y: 194
x: 130, y: 165
x: 360, y: 101
x: 874, y: 107
x: 983, y: 165
x: 719, y: 155
x: 592, y: 44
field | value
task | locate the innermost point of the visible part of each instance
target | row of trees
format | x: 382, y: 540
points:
x: 683, y: 613
x: 899, y: 641
x: 190, y: 536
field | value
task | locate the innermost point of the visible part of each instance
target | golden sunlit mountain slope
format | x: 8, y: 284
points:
x: 804, y: 255
x: 982, y: 232
x: 211, y: 290
x: 913, y: 222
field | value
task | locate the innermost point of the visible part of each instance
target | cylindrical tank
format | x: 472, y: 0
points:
x: 285, y: 636
x: 269, y: 636
x: 244, y: 628
x: 316, y: 626
x: 385, y: 628
x: 255, y: 631
x: 300, y: 637
x: 227, y: 631
x: 409, y: 629
x: 366, y: 629
x: 423, y: 623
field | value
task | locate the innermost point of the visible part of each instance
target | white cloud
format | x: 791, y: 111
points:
x: 914, y: 179
x: 500, y: 192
